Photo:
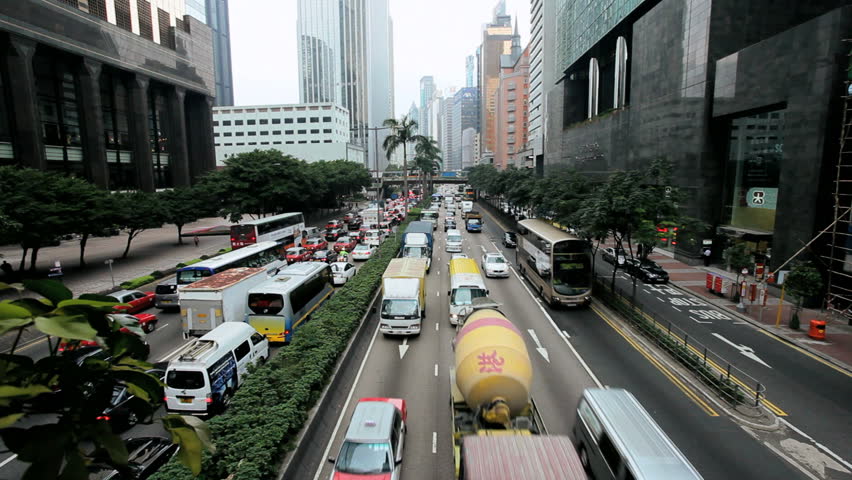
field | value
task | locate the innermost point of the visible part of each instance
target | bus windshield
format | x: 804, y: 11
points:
x: 185, y: 277
x: 465, y: 295
x: 265, y: 303
x: 571, y: 274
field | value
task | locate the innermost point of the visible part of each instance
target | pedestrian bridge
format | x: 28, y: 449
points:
x: 397, y: 179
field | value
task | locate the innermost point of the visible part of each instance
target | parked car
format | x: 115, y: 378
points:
x: 348, y: 243
x: 495, y: 265
x: 145, y: 456
x: 332, y: 224
x: 374, y: 441
x: 510, y: 240
x: 120, y: 414
x: 297, y: 254
x: 647, y: 271
x: 327, y: 256
x: 314, y: 244
x: 341, y: 272
x: 363, y: 252
x: 333, y: 234
x: 608, y: 255
x: 136, y: 301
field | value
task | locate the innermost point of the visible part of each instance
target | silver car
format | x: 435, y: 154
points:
x: 495, y: 265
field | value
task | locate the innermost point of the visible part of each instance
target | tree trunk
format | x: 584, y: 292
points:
x: 23, y: 264
x: 179, y: 227
x: 83, y: 240
x: 130, y: 236
x: 405, y: 175
x: 34, y: 259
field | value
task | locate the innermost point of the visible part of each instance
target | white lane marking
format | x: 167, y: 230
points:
x: 790, y: 461
x: 564, y: 339
x: 437, y: 294
x: 819, y: 445
x: 436, y: 369
x: 346, y: 404
x: 437, y: 326
x: 403, y: 348
x: 660, y: 299
x: 169, y: 355
x: 566, y: 334
x: 439, y: 272
x: 3, y: 464
x: 675, y: 308
x: 747, y: 351
x: 434, y: 442
x: 484, y: 250
x: 697, y: 320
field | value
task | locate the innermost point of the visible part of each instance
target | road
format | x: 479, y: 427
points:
x: 584, y: 348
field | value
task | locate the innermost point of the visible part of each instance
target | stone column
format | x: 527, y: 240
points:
x: 202, y: 149
x: 178, y: 151
x: 94, y: 144
x: 140, y: 133
x: 29, y: 142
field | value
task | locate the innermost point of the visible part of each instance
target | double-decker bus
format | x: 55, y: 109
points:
x: 469, y: 194
x: 558, y: 264
x: 285, y: 229
x: 265, y: 254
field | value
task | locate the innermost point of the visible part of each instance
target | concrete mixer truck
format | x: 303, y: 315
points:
x: 490, y: 385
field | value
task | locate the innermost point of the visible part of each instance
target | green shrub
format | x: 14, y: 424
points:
x: 180, y: 265
x: 137, y: 282
x: 205, y: 257
x: 157, y: 274
x: 270, y: 408
x: 794, y: 321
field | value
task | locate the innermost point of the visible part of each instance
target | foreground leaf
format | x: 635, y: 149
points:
x: 50, y: 289
x: 10, y: 420
x: 75, y: 327
x: 192, y: 435
x: 7, y: 324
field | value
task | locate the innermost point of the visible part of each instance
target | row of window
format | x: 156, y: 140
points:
x: 274, y: 132
x: 275, y: 121
x: 288, y: 142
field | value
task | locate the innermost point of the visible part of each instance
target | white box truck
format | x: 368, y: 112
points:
x: 219, y: 298
x: 403, y: 304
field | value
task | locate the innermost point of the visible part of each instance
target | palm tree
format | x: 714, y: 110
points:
x: 403, y: 131
x: 428, y: 158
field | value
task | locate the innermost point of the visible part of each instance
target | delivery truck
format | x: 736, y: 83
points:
x: 403, y: 305
x: 417, y: 242
x: 473, y: 221
x: 490, y: 383
x: 219, y: 298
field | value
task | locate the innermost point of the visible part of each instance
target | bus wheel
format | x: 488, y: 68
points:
x: 584, y: 458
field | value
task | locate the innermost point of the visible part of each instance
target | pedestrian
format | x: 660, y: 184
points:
x: 639, y: 250
x: 7, y: 269
x: 195, y: 239
x: 706, y: 255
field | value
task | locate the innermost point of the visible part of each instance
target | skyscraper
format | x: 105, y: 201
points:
x: 215, y: 14
x: 338, y: 40
x: 470, y: 71
x: 427, y: 91
x: 465, y: 117
x: 543, y: 29
x: 496, y: 41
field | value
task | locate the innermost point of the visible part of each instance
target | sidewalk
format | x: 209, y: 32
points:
x: 837, y: 348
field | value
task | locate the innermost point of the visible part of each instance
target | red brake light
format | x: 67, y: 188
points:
x: 209, y: 398
x: 103, y: 417
x: 165, y: 399
x: 286, y: 332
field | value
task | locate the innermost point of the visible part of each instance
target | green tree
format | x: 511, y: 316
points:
x: 137, y: 212
x: 403, y: 132
x: 338, y: 179
x: 737, y: 257
x: 427, y: 160
x: 182, y: 206
x: 803, y: 281
x: 96, y: 213
x: 49, y: 409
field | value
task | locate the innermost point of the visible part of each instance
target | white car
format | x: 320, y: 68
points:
x: 495, y: 265
x: 374, y: 237
x: 363, y: 252
x: 341, y: 272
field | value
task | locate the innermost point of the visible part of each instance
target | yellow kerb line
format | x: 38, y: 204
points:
x: 805, y: 352
x: 662, y: 368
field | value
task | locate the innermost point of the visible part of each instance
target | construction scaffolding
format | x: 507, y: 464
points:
x: 839, y: 260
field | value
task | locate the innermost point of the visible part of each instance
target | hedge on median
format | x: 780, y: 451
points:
x: 271, y: 407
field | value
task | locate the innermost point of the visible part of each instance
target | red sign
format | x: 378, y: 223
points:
x: 709, y: 281
x: 717, y: 284
x: 490, y: 363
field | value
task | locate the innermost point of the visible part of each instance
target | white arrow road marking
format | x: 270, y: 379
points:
x: 539, y: 348
x: 747, y: 351
x: 403, y: 348
x: 3, y: 464
x: 483, y: 248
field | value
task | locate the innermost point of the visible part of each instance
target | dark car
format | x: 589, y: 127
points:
x: 449, y: 223
x: 354, y: 225
x: 333, y: 234
x: 145, y: 456
x: 120, y: 414
x: 327, y: 256
x: 647, y: 271
x: 510, y: 239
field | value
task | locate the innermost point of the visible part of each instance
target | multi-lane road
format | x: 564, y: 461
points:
x: 570, y: 350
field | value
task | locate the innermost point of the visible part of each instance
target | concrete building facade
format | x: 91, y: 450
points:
x: 427, y: 93
x: 214, y: 13
x: 311, y: 132
x: 465, y: 117
x: 117, y: 95
x: 542, y: 78
x: 512, y: 107
x: 749, y: 117
x: 496, y: 41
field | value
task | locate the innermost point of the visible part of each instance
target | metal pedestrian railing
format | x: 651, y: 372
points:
x: 732, y: 384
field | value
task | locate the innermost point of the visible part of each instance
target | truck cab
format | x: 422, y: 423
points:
x: 402, y: 310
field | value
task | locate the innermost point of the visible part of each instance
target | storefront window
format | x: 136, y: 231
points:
x: 754, y: 161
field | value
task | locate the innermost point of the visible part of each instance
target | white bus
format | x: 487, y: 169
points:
x: 558, y: 264
x: 282, y: 304
x: 206, y: 372
x: 267, y: 255
x: 285, y: 229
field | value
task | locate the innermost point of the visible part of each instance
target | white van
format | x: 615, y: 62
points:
x: 454, y: 240
x: 205, y: 373
x: 373, y: 237
x: 466, y: 206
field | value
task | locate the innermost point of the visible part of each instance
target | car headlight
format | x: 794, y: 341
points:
x: 454, y: 316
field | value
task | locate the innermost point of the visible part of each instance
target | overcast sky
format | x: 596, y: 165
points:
x: 431, y: 37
